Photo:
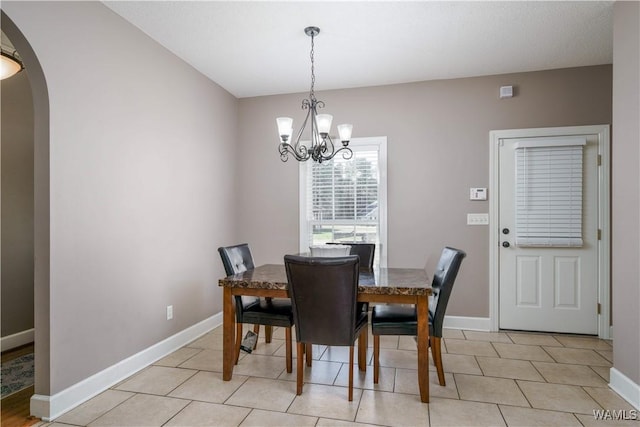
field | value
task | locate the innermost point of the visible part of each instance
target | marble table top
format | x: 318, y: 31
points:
x: 380, y: 281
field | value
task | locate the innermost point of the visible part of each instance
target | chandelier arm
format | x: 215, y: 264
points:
x: 347, y: 154
x: 301, y: 148
x: 284, y: 153
x: 315, y: 137
x: 319, y: 145
x: 285, y: 149
x: 314, y: 144
x: 328, y: 142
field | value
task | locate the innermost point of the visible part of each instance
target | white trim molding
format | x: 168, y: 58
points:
x: 626, y: 388
x: 51, y: 407
x: 17, y: 339
x: 467, y: 323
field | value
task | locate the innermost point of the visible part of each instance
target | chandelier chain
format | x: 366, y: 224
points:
x: 312, y: 95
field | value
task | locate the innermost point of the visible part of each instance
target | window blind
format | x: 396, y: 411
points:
x: 342, y: 198
x: 548, y: 186
x: 344, y: 189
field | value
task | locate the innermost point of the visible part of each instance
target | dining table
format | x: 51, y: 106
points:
x: 380, y: 285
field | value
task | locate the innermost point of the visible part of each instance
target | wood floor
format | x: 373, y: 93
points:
x: 15, y: 408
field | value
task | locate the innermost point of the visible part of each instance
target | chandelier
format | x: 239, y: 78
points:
x: 321, y: 146
x: 10, y: 64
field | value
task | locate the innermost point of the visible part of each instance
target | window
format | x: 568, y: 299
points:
x: 346, y: 200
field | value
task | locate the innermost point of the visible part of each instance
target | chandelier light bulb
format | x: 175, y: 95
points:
x: 324, y: 123
x: 285, y: 128
x: 344, y: 130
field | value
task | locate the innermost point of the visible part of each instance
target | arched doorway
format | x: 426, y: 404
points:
x: 39, y: 406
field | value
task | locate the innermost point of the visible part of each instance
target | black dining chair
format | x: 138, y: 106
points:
x: 366, y: 252
x: 324, y: 295
x: 397, y: 319
x: 254, y: 310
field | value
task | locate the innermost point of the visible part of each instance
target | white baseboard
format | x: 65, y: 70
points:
x: 468, y: 323
x: 626, y: 388
x: 16, y: 340
x: 51, y: 407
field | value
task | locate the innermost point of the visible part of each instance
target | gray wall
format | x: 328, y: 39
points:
x: 438, y: 147
x: 139, y: 149
x: 626, y: 189
x: 142, y: 189
x: 17, y: 205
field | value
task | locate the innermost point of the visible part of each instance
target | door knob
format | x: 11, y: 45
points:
x: 505, y: 244
x: 505, y: 231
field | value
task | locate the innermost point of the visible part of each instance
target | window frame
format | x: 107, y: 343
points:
x: 380, y: 143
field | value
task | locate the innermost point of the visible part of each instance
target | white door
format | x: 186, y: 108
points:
x: 550, y: 285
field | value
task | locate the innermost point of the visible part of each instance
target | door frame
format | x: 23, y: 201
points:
x: 604, y: 216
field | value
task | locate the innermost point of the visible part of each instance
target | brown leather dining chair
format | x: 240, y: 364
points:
x: 254, y: 310
x: 324, y: 295
x: 366, y: 252
x: 394, y: 319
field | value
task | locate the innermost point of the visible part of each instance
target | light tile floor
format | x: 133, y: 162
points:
x: 493, y: 379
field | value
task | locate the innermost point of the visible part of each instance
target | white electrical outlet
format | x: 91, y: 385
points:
x: 477, y: 219
x: 169, y: 312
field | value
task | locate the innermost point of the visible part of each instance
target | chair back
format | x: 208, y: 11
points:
x: 237, y: 259
x: 323, y: 295
x: 366, y: 252
x: 443, y: 279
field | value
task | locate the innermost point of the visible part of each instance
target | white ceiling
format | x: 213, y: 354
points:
x: 254, y: 48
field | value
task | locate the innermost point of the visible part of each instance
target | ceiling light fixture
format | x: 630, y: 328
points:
x: 10, y: 64
x: 322, y: 147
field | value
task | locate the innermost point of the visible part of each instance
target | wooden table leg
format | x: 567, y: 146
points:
x: 228, y: 338
x: 422, y: 307
x: 362, y: 349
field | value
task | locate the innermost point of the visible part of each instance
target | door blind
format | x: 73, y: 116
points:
x: 549, y: 180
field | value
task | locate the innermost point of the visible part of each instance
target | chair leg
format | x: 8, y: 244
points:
x: 351, y: 373
x: 437, y: 358
x: 268, y: 333
x: 300, y: 368
x: 256, y: 330
x: 376, y: 358
x: 238, y: 341
x: 308, y: 354
x: 287, y: 335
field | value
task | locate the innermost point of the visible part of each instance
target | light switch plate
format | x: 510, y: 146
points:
x: 478, y: 219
